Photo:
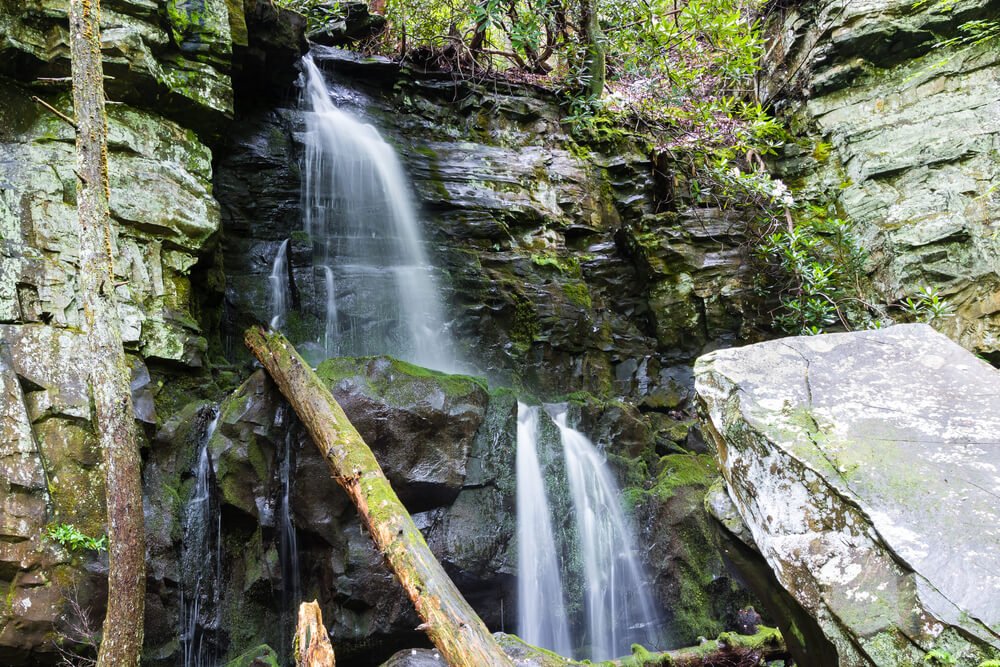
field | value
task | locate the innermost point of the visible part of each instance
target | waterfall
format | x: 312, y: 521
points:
x: 361, y: 219
x: 288, y: 553
x: 332, y: 325
x: 541, y: 609
x: 201, y: 561
x: 279, y: 286
x: 620, y: 611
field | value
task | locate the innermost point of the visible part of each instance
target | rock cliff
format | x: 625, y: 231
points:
x: 901, y: 136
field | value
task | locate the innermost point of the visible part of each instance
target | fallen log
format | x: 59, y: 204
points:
x: 312, y: 641
x: 729, y: 650
x: 450, y: 622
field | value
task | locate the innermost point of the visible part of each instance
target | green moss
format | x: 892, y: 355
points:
x: 259, y: 656
x: 568, y: 265
x: 821, y: 151
x: 525, y: 327
x: 684, y: 471
x: 399, y: 373
x: 641, y: 657
x: 578, y: 294
x: 579, y: 151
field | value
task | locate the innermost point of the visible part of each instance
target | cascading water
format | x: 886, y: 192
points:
x: 382, y: 296
x: 619, y: 610
x: 279, y: 286
x: 541, y: 608
x: 330, y: 331
x: 201, y: 561
x: 288, y: 553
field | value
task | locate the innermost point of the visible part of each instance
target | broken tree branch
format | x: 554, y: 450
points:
x: 60, y: 114
x: 312, y: 641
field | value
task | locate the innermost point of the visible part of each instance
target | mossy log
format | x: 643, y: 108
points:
x: 312, y: 641
x: 450, y: 622
x: 729, y: 650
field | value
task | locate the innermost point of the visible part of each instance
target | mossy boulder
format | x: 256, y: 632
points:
x: 420, y: 423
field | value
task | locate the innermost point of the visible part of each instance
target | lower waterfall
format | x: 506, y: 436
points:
x: 617, y: 607
x: 201, y: 561
x: 620, y: 611
x: 541, y: 608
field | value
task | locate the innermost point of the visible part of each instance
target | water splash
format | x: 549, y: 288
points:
x: 619, y: 609
x: 201, y: 561
x: 541, y: 609
x: 359, y: 214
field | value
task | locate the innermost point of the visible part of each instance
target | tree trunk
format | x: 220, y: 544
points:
x: 453, y: 626
x: 121, y: 642
x: 312, y: 641
x: 596, y: 59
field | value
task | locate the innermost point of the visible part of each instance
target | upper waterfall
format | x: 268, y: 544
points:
x: 381, y: 293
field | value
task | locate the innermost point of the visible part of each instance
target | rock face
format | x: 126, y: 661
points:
x: 568, y: 265
x: 901, y: 137
x: 865, y: 467
x: 441, y: 442
x: 170, y: 66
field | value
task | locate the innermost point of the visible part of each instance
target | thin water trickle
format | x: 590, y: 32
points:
x: 541, y: 609
x: 201, y: 561
x: 279, y: 286
x: 360, y: 216
x: 330, y: 331
x: 619, y: 609
x: 288, y: 553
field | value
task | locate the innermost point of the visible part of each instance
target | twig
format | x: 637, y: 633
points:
x: 51, y: 108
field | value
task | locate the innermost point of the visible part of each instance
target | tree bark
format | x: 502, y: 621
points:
x: 454, y: 627
x: 594, y: 41
x: 312, y: 641
x: 121, y: 643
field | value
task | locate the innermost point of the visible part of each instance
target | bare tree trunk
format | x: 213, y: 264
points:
x: 594, y: 41
x: 454, y: 627
x: 312, y: 641
x: 121, y: 643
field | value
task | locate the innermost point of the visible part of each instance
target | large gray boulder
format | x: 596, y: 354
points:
x: 865, y: 466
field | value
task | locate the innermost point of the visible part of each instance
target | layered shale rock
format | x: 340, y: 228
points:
x: 170, y: 90
x: 902, y: 137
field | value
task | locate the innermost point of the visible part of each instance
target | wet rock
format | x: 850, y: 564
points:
x: 420, y: 424
x: 168, y: 67
x: 426, y: 429
x: 560, y: 275
x: 864, y: 467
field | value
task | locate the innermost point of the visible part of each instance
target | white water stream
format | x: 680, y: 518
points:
x: 201, y: 561
x: 618, y: 608
x: 381, y: 293
x: 620, y: 611
x: 541, y: 608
